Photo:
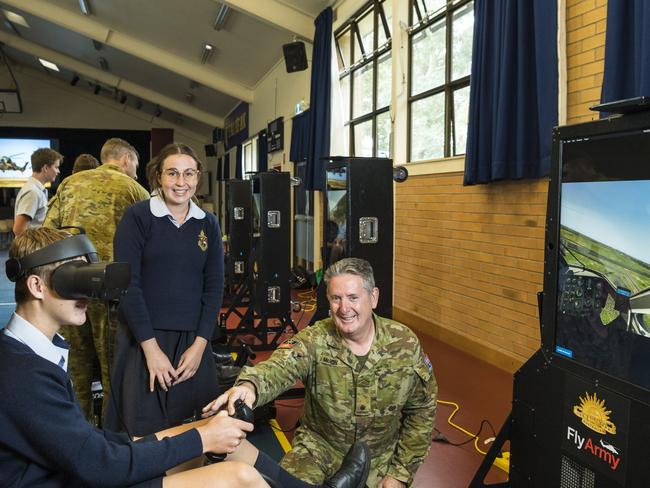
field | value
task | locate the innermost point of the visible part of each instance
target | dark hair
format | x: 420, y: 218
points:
x: 354, y: 266
x: 31, y: 241
x: 84, y: 162
x: 155, y: 166
x: 44, y: 157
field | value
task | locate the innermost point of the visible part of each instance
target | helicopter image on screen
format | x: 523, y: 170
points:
x: 7, y: 164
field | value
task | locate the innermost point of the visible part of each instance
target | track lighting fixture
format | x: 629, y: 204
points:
x: 158, y: 112
x: 138, y: 104
x: 74, y: 80
x: 97, y: 89
x: 206, y: 54
x: 103, y: 64
x: 123, y: 98
x: 221, y: 18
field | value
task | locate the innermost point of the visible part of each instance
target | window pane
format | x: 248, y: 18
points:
x: 345, y: 97
x: 461, y: 31
x: 363, y: 139
x: 428, y: 58
x: 367, y: 33
x: 384, y: 77
x: 426, y: 6
x: 362, y: 95
x: 343, y: 54
x: 428, y: 128
x: 388, y: 13
x: 461, y: 117
x: 383, y: 135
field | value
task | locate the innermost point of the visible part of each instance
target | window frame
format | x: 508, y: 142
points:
x: 448, y: 87
x: 368, y: 57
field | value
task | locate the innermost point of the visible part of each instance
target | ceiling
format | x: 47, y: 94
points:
x: 147, y: 53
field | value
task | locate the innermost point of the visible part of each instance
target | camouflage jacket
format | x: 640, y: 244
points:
x: 95, y: 200
x: 390, y: 403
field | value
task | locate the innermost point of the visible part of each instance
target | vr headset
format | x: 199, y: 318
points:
x: 75, y: 279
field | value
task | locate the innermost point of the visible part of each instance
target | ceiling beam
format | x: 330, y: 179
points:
x: 277, y: 14
x: 94, y: 29
x: 110, y: 80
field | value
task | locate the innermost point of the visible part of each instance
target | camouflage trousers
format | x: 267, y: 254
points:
x: 88, y: 345
x: 313, y: 462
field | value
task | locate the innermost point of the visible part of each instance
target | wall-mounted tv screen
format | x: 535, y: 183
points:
x: 603, y: 270
x: 15, y: 154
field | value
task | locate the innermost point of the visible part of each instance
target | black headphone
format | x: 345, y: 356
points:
x: 68, y: 248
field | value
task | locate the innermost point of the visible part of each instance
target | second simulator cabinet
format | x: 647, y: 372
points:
x: 359, y: 219
x: 272, y: 243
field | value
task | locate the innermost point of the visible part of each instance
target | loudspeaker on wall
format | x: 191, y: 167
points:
x: 295, y: 56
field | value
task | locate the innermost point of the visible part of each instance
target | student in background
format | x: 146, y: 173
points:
x: 163, y: 368
x: 84, y: 162
x: 31, y: 202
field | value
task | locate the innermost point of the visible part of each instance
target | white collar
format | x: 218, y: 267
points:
x: 38, y: 183
x: 23, y: 331
x: 159, y: 208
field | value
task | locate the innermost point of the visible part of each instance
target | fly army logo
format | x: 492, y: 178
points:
x: 594, y: 415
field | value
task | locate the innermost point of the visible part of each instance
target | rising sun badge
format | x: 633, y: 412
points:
x: 593, y: 414
x: 203, y: 241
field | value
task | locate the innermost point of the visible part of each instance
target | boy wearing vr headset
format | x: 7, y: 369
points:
x: 44, y: 437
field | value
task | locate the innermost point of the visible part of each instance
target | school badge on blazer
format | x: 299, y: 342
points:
x: 203, y: 241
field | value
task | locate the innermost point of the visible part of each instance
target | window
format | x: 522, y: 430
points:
x: 440, y: 41
x: 363, y: 46
x: 249, y: 158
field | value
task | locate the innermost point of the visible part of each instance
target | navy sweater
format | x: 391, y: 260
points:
x: 176, y: 273
x: 45, y: 440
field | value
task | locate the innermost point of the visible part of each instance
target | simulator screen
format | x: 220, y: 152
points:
x: 337, y: 210
x: 603, y: 299
x: 15, y: 156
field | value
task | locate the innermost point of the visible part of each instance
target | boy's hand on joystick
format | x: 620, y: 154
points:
x: 242, y: 412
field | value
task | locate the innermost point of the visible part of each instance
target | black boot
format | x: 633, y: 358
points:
x: 354, y: 469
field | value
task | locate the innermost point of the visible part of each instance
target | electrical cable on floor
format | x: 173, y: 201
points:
x: 439, y: 437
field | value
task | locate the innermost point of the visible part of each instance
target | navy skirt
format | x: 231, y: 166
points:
x: 133, y: 408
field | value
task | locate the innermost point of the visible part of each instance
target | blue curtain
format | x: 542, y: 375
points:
x: 226, y: 166
x: 627, y: 50
x: 513, y: 90
x: 262, y: 152
x: 300, y: 130
x: 319, y: 101
x: 240, y: 162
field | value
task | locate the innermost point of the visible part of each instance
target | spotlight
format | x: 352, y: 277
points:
x: 123, y: 98
x: 103, y: 64
x: 138, y: 104
x: 74, y: 80
x: 206, y: 54
x: 83, y: 6
x: 97, y: 89
x: 158, y: 112
x: 189, y: 97
x: 97, y: 45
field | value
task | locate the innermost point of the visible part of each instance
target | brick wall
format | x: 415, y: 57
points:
x: 469, y: 260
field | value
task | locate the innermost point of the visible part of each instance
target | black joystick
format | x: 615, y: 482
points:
x: 242, y: 412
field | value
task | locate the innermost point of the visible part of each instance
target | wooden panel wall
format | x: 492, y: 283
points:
x: 469, y: 260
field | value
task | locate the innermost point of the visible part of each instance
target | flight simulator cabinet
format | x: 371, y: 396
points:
x: 581, y: 405
x: 359, y: 219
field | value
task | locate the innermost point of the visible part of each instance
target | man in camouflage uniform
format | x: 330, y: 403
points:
x: 366, y: 379
x: 96, y: 200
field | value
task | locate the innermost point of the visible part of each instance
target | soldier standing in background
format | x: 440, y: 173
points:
x: 96, y: 200
x: 366, y: 379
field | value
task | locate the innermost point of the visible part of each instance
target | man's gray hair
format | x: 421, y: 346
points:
x: 115, y: 148
x: 354, y: 266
